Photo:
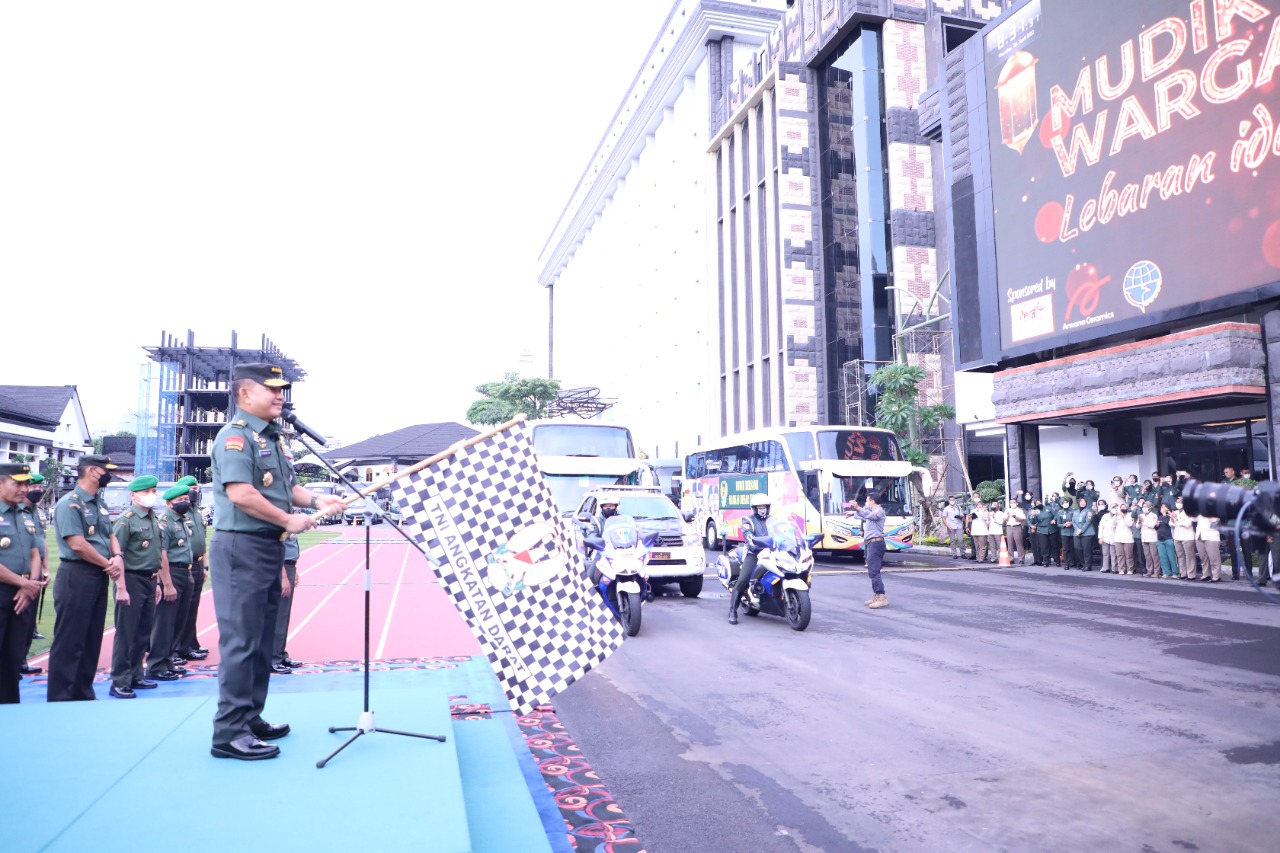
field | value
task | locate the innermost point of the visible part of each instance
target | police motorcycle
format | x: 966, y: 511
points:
x: 785, y: 563
x: 618, y: 569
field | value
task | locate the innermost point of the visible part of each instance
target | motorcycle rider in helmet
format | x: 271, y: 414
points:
x: 608, y: 509
x: 752, y: 526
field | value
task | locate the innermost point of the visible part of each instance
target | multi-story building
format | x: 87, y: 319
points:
x: 43, y: 423
x: 628, y: 267
x: 184, y: 398
x: 821, y: 255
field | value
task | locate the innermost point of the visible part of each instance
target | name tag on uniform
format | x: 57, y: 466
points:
x: 266, y: 451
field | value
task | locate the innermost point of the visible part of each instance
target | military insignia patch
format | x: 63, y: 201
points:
x: 91, y: 529
x: 234, y: 442
x: 267, y: 480
x: 4, y: 541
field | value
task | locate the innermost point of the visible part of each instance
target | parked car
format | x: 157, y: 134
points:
x: 356, y: 513
x: 676, y: 556
x: 325, y: 489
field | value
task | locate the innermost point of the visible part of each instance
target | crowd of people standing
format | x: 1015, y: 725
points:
x: 1126, y: 528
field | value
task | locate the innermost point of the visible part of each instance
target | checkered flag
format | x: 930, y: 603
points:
x: 486, y: 519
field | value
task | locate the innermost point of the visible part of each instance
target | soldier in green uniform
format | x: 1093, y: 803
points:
x: 1066, y: 529
x: 137, y: 530
x: 281, y: 663
x: 175, y: 535
x: 20, y: 579
x: 188, y: 643
x: 35, y: 491
x: 89, y: 556
x: 254, y: 491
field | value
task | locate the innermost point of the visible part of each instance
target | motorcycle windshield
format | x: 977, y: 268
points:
x: 620, y: 531
x: 783, y: 534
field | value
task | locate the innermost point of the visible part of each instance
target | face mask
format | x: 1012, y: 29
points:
x: 182, y: 507
x: 1178, y: 504
x: 34, y: 495
x: 147, y: 501
x: 104, y: 479
x: 195, y: 496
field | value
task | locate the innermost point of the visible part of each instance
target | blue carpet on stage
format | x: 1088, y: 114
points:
x: 137, y: 774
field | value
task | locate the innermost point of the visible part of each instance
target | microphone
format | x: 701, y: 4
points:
x: 289, y: 417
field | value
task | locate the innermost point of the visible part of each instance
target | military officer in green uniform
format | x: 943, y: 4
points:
x: 188, y: 643
x: 20, y: 579
x: 89, y: 556
x: 281, y: 663
x: 175, y: 535
x: 254, y: 491
x: 35, y: 491
x: 137, y: 530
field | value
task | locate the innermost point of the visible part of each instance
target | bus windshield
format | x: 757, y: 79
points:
x: 567, y: 490
x: 890, y: 492
x: 583, y: 440
x: 857, y: 444
x: 116, y: 498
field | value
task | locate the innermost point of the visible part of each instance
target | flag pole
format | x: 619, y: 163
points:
x: 443, y: 454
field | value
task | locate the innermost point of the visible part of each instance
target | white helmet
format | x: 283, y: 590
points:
x: 760, y: 503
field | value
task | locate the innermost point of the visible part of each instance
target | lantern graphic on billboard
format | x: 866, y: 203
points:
x: 1016, y: 94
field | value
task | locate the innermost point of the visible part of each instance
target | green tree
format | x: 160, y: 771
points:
x: 898, y: 408
x: 504, y: 400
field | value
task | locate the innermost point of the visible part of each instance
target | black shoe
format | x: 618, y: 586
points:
x: 28, y: 669
x: 192, y: 654
x: 200, y: 650
x: 291, y: 663
x: 36, y: 635
x: 177, y: 662
x: 163, y: 676
x: 263, y: 730
x: 245, y: 748
x: 281, y: 669
x: 122, y: 692
x: 143, y: 684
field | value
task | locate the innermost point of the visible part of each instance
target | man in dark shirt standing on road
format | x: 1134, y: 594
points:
x: 872, y: 545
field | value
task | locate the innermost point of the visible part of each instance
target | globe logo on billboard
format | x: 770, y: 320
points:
x: 1142, y: 284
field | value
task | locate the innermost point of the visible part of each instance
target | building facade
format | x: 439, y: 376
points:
x: 817, y: 242
x: 41, y: 423
x: 1111, y: 185
x: 630, y: 288
x: 825, y: 236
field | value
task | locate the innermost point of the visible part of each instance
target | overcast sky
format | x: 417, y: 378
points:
x: 368, y: 184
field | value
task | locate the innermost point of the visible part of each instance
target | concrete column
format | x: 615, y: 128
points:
x: 1023, y: 474
x: 1271, y: 344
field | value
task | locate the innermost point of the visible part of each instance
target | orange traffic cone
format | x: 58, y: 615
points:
x: 1004, y: 554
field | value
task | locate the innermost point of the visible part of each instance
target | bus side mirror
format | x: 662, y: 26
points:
x: 688, y: 515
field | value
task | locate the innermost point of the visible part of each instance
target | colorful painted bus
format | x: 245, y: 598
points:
x: 811, y: 474
x: 577, y: 456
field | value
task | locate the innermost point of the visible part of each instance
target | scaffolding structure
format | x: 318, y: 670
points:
x: 184, y: 398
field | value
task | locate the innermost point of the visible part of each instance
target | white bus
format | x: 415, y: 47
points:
x: 577, y: 456
x: 811, y: 474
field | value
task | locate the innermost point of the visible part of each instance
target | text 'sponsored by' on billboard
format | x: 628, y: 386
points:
x: 1135, y: 159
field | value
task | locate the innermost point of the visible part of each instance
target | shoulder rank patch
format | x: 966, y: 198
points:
x: 128, y: 514
x: 242, y: 422
x: 234, y: 442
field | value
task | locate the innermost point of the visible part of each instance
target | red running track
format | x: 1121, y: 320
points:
x: 410, y: 614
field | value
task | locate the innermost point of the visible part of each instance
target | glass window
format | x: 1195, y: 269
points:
x: 862, y: 445
x: 583, y: 440
x: 801, y: 446
x: 891, y: 493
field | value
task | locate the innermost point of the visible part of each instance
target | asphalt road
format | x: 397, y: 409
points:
x: 1002, y: 709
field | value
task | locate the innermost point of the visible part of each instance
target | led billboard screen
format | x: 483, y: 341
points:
x: 1135, y: 160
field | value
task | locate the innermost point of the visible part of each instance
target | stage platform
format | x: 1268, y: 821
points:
x: 137, y: 774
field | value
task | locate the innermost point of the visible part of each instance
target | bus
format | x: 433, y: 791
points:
x: 811, y: 473
x: 577, y: 456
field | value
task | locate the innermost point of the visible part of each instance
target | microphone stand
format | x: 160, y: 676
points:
x: 365, y: 723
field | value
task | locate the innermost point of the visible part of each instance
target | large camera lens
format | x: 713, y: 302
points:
x: 1214, y: 500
